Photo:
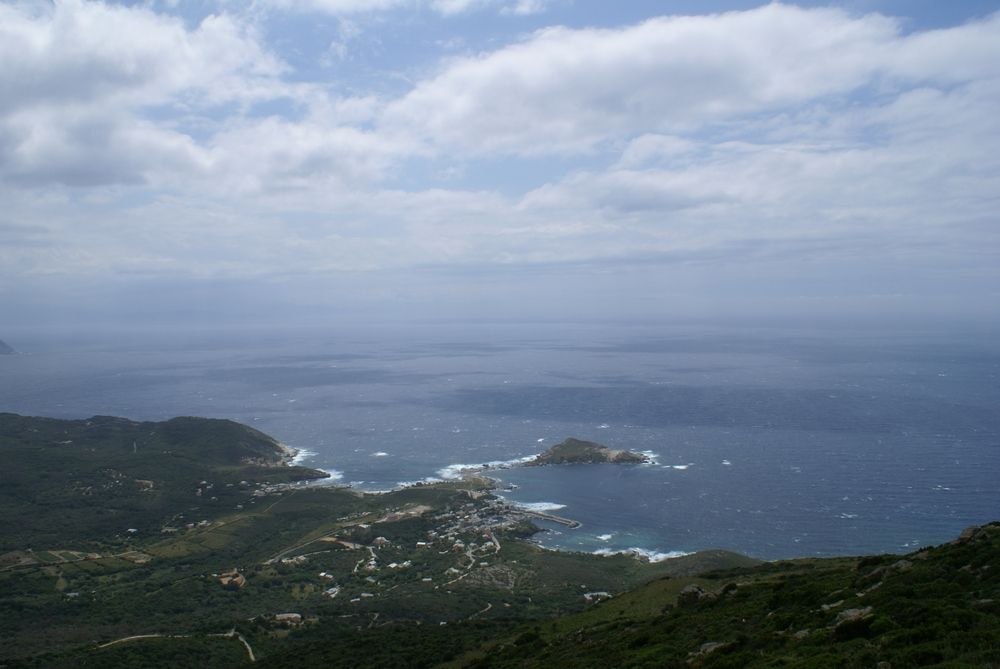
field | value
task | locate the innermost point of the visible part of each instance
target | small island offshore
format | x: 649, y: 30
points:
x: 5, y: 348
x: 198, y: 543
x: 577, y: 451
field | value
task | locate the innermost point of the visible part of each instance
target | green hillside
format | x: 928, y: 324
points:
x: 75, y: 482
x: 936, y: 607
x: 185, y: 544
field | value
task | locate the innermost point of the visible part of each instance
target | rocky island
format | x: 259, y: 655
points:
x: 5, y: 349
x: 577, y: 451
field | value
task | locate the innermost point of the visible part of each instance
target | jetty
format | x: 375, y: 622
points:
x: 568, y: 522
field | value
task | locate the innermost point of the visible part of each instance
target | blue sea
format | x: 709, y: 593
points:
x: 776, y: 443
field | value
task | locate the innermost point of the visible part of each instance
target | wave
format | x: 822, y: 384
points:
x: 539, y: 506
x: 654, y: 458
x: 335, y: 476
x: 423, y: 481
x: 456, y: 471
x: 380, y: 454
x: 605, y: 537
x: 642, y: 553
x: 301, y: 455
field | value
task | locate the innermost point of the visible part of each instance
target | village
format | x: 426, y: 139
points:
x: 388, y: 555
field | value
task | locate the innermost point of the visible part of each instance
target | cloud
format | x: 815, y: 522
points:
x: 339, y: 7
x: 526, y: 7
x: 566, y: 90
x: 134, y: 144
x: 80, y: 78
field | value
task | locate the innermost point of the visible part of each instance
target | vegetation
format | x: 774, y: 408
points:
x: 432, y: 575
x: 76, y: 484
x: 577, y: 451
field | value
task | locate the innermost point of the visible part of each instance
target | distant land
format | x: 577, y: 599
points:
x: 195, y: 542
x: 577, y: 451
x: 5, y: 349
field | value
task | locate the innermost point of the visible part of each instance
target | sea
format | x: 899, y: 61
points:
x: 773, y: 442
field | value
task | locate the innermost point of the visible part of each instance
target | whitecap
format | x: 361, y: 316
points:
x: 652, y: 456
x: 540, y: 440
x: 380, y: 454
x: 334, y: 476
x: 604, y: 537
x: 726, y: 463
x: 423, y: 481
x: 456, y: 471
x: 540, y: 506
x: 301, y: 455
x: 642, y: 553
x: 603, y: 426
x: 681, y: 467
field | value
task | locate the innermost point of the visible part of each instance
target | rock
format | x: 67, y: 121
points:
x: 900, y: 566
x: 853, y: 623
x: 710, y: 647
x: 850, y: 615
x: 577, y: 451
x: 690, y: 595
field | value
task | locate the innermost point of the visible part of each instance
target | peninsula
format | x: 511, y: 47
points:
x: 577, y: 451
x: 191, y: 543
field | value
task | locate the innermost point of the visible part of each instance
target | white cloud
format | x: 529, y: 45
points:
x: 778, y: 130
x: 451, y: 7
x: 525, y: 7
x: 79, y: 77
x: 564, y: 90
x: 334, y: 6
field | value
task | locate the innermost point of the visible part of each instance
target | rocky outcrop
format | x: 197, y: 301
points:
x: 577, y: 451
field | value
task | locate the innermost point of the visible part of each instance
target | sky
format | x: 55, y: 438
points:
x: 312, y: 161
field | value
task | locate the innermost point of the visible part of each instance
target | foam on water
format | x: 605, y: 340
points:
x: 303, y: 454
x: 456, y: 471
x: 423, y: 481
x: 380, y: 454
x: 540, y: 506
x: 335, y: 477
x: 643, y: 553
x: 653, y: 457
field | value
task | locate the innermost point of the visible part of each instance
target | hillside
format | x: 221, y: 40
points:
x: 79, y: 481
x: 577, y: 451
x: 183, y: 544
x: 938, y: 606
x: 145, y: 544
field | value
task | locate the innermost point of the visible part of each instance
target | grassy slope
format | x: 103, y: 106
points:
x: 84, y: 493
x: 939, y: 607
x: 519, y: 607
x: 69, y: 483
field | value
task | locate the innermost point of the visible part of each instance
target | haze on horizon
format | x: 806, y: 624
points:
x: 306, y: 161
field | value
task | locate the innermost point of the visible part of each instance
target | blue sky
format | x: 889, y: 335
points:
x: 215, y: 160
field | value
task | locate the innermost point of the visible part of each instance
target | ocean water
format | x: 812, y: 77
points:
x: 767, y: 442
